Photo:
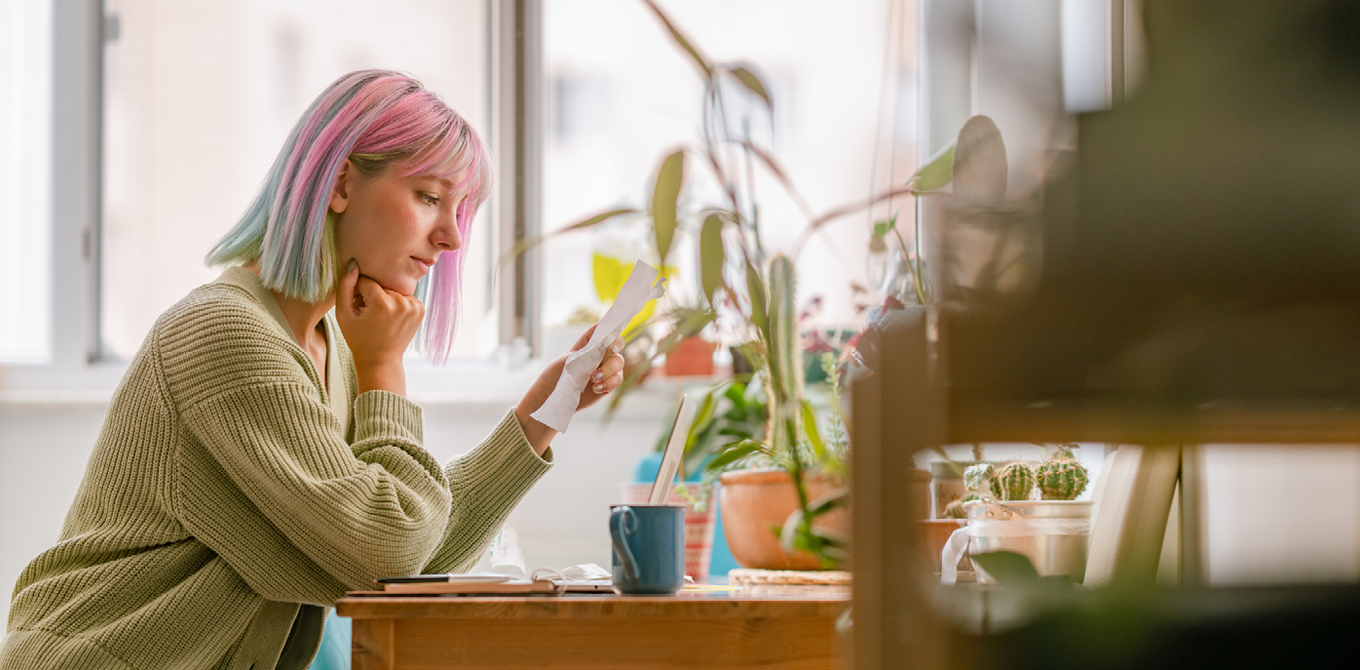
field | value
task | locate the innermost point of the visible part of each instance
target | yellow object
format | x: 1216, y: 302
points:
x: 610, y: 275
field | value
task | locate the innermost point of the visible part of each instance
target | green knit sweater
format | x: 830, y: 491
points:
x: 225, y: 505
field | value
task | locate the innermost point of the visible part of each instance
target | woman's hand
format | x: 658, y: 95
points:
x: 604, y: 379
x: 378, y: 325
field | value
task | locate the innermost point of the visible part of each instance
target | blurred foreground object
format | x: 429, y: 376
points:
x: 1188, y: 277
x: 1202, y: 245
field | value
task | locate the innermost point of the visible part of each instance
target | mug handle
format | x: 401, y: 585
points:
x: 617, y: 530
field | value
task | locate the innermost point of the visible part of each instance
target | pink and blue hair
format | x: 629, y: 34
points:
x: 377, y: 119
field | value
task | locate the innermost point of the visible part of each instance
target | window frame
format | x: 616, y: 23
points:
x: 80, y: 370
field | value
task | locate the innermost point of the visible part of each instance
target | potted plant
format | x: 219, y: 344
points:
x: 750, y: 294
x: 1035, y: 514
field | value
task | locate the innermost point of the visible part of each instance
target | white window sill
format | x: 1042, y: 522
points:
x: 462, y: 385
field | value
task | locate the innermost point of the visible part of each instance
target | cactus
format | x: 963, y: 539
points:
x: 975, y: 476
x: 1013, y: 481
x: 954, y: 510
x: 786, y: 356
x: 1062, y: 477
x: 785, y: 365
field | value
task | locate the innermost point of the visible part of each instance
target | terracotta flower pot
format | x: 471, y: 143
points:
x: 931, y: 536
x: 755, y: 502
x: 692, y: 356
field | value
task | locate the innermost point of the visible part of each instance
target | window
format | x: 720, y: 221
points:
x: 198, y: 98
x: 25, y: 182
x: 172, y: 131
x: 621, y: 95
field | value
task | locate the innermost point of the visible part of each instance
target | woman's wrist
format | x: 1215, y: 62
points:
x: 390, y: 377
x: 540, y: 436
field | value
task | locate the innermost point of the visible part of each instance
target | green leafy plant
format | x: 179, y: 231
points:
x: 753, y: 293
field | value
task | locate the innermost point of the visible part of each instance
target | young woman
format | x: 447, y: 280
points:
x: 259, y: 457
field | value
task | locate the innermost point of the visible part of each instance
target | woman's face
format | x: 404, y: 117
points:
x: 395, y: 227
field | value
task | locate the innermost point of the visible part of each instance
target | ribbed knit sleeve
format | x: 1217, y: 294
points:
x: 267, y: 481
x: 486, y: 484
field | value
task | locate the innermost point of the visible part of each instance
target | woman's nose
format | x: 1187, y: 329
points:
x: 445, y: 234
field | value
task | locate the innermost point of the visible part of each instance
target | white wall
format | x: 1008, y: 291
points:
x: 1281, y: 514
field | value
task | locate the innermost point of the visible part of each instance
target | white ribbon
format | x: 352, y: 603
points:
x: 1019, y: 527
x: 958, y: 542
x: 952, y: 554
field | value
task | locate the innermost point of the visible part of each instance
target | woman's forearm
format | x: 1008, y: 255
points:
x: 539, y: 435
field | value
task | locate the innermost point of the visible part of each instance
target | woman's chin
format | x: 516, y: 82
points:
x: 403, y: 285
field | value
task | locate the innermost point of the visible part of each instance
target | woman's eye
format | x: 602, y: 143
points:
x: 429, y: 199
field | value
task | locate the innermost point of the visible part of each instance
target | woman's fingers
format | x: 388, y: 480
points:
x: 378, y: 324
x: 371, y: 292
x: 613, y: 382
x: 345, y: 291
x: 609, y: 375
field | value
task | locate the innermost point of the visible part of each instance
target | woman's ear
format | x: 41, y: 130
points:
x: 344, y: 183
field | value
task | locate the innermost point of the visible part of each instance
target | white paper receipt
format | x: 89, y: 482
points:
x: 642, y: 286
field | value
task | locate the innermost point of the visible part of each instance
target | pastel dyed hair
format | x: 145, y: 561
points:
x: 377, y: 119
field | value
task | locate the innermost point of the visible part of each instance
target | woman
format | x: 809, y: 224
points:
x: 259, y: 457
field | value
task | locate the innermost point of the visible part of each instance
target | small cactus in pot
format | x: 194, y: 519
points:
x: 1013, y: 481
x: 977, y: 478
x: 1061, y: 477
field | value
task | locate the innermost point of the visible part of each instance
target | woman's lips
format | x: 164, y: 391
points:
x: 425, y: 265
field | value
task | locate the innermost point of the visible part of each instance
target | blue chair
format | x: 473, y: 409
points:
x: 334, y: 653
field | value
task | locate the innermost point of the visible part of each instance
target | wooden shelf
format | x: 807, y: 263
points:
x: 983, y: 420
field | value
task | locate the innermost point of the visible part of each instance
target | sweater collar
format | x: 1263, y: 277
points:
x: 333, y: 378
x: 238, y: 276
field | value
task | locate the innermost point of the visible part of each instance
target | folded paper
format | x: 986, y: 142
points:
x: 642, y: 286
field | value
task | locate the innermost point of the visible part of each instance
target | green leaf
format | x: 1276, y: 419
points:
x: 527, y: 244
x: 595, y: 220
x: 706, y: 409
x: 1007, y: 567
x: 733, y: 453
x: 882, y: 228
x: 669, y: 179
x: 711, y: 256
x: 756, y: 287
x: 828, y: 502
x: 779, y: 173
x: 980, y: 169
x: 752, y: 82
x: 810, y: 430
x: 680, y: 40
x: 937, y: 171
x: 736, y: 393
x: 789, y: 537
x: 703, y: 419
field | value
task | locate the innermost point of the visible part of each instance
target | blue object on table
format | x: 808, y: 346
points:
x: 649, y: 548
x: 721, y: 561
x: 334, y: 653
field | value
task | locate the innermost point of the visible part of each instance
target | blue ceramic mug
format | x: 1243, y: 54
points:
x: 649, y: 548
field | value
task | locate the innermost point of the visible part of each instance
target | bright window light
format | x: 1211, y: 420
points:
x: 25, y: 181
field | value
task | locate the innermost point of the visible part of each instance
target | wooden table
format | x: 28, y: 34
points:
x: 709, y: 630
